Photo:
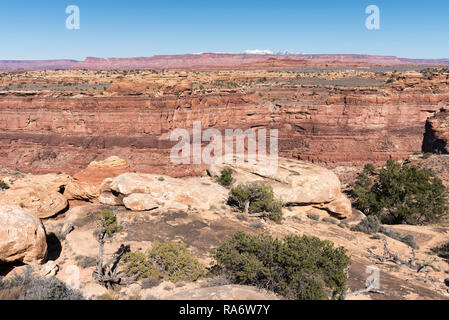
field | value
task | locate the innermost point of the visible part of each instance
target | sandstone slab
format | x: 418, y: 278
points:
x: 161, y: 191
x: 44, y: 203
x: 64, y: 184
x: 295, y: 182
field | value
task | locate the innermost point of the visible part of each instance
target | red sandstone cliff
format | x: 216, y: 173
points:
x: 63, y: 131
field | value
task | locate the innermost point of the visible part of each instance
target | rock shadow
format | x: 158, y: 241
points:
x: 54, y: 247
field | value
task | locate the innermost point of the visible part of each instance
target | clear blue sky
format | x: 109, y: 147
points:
x: 134, y: 28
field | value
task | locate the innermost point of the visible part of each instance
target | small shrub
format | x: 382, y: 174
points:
x: 369, y: 169
x: 3, y: 185
x: 31, y: 287
x: 169, y: 260
x: 344, y: 225
x: 303, y: 268
x: 175, y: 261
x: 442, y: 251
x: 257, y: 225
x: 150, y: 283
x: 364, y: 199
x: 86, y: 262
x: 389, y: 232
x: 108, y: 221
x: 219, y: 280
x: 401, y: 194
x: 242, y: 217
x: 313, y: 216
x: 331, y: 220
x: 225, y: 178
x: 407, y: 239
x: 276, y: 216
x: 258, y: 198
x: 137, y: 263
x: 12, y: 294
x: 369, y: 225
x: 426, y: 155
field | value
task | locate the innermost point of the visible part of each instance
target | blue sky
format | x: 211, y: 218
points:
x: 134, y: 28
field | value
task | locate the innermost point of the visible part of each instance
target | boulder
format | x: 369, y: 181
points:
x: 129, y: 183
x: 341, y: 206
x: 22, y: 236
x: 90, y: 178
x: 106, y: 194
x: 356, y: 217
x: 43, y: 202
x: 295, y: 182
x: 51, y: 182
x: 109, y: 199
x: 140, y: 202
x: 64, y: 184
x: 80, y: 190
x: 147, y: 191
x: 50, y: 269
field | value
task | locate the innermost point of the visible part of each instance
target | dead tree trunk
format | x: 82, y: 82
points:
x: 108, y: 274
x: 100, y: 238
x: 246, y: 209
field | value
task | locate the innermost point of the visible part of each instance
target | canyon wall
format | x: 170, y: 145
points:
x: 322, y: 124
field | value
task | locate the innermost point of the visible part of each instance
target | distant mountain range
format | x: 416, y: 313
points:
x: 206, y: 60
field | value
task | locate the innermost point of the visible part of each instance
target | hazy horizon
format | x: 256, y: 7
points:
x: 228, y: 53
